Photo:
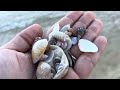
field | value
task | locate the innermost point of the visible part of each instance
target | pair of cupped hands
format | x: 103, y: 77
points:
x: 15, y: 56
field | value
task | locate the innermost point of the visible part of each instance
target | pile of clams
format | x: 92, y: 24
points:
x: 52, y: 55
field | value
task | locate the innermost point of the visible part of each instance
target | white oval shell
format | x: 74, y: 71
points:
x: 38, y: 49
x: 87, y: 46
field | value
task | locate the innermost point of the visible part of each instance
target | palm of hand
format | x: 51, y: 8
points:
x: 15, y: 58
x: 15, y: 65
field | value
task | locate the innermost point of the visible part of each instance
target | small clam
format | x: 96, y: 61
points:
x: 63, y: 66
x: 54, y: 67
x: 87, y: 46
x: 38, y: 49
x: 43, y: 71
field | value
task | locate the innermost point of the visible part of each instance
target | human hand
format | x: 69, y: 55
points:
x: 15, y: 56
x: 85, y: 61
x: 16, y: 61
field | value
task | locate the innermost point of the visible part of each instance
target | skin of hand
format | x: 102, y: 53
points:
x: 15, y: 56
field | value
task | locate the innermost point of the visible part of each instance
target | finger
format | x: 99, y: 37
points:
x: 87, y: 61
x: 69, y: 18
x: 22, y: 42
x: 85, y: 20
x: 93, y: 31
x: 71, y: 74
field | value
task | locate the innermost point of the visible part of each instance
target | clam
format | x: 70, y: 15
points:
x: 43, y: 71
x: 87, y: 46
x: 53, y: 55
x: 38, y: 49
x: 55, y: 67
x: 63, y: 66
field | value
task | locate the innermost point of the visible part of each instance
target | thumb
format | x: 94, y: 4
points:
x: 23, y: 41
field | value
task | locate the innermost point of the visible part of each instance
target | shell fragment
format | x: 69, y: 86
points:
x: 74, y: 40
x: 87, y: 46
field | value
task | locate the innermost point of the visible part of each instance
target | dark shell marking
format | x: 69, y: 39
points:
x: 81, y: 31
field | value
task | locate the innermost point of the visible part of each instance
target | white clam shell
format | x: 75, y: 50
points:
x: 38, y: 49
x: 87, y: 46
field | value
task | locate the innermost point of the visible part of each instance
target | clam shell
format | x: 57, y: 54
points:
x: 43, y: 71
x: 87, y: 46
x: 38, y: 49
x: 46, y: 70
x: 63, y: 65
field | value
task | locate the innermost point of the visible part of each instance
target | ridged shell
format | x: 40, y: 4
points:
x: 43, y: 71
x: 62, y: 37
x: 38, y: 49
x: 64, y: 65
